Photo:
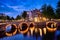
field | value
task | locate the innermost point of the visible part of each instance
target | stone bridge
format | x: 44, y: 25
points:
x: 29, y: 28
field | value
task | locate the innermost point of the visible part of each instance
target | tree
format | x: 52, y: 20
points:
x: 4, y: 17
x: 8, y: 18
x: 24, y: 14
x: 44, y: 10
x: 50, y: 12
x: 18, y: 17
x: 12, y: 18
x: 58, y: 10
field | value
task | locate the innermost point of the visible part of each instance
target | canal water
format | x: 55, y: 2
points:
x: 22, y: 37
x: 49, y: 36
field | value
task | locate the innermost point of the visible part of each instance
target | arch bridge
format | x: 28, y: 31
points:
x: 29, y: 28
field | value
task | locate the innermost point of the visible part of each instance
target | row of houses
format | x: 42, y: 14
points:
x: 36, y: 15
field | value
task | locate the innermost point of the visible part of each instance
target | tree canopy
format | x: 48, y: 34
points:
x: 18, y: 17
x: 24, y: 14
x: 58, y: 10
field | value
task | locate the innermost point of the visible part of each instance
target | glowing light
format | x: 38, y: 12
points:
x: 32, y: 29
x: 36, y: 30
x: 36, y: 19
x: 51, y: 25
x: 8, y: 34
x: 39, y: 19
x: 51, y: 29
x: 40, y: 31
x: 44, y: 18
x: 44, y: 29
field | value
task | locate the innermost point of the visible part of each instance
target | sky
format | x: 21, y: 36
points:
x: 16, y: 7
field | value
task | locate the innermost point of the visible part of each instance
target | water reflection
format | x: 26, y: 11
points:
x: 20, y: 37
x: 8, y: 28
x: 57, y: 32
x: 57, y: 35
x: 28, y: 37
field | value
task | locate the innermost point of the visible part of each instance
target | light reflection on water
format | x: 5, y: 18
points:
x: 20, y: 37
x: 57, y: 32
x: 8, y: 28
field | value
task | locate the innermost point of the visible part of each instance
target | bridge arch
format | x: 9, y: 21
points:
x: 32, y: 27
x: 23, y: 27
x: 51, y: 26
x: 13, y: 30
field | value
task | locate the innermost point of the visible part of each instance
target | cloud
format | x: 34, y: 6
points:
x: 14, y: 7
x: 11, y: 14
x: 17, y: 8
x: 2, y: 6
x: 8, y: 13
x: 11, y: 7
